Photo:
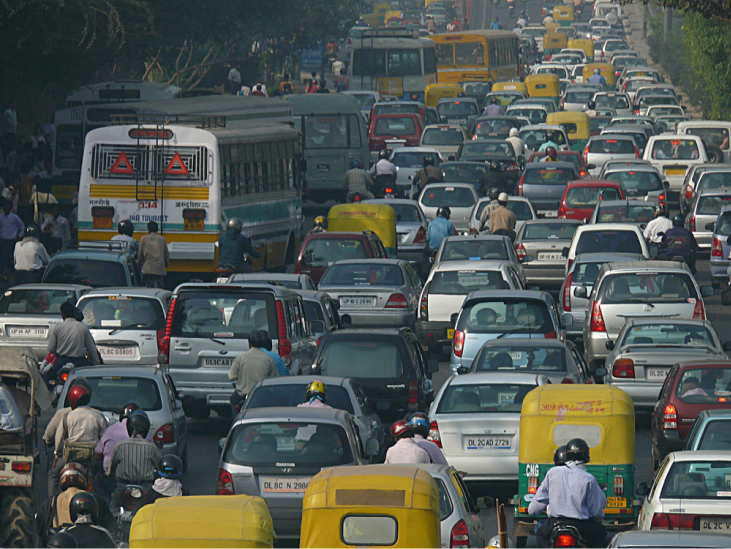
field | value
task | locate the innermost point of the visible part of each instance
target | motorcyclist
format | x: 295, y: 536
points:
x: 439, y: 229
x: 494, y: 108
x: 358, y: 181
x: 551, y: 155
x: 597, y: 78
x: 384, y: 166
x: 495, y: 178
x: 559, y: 456
x: 84, y: 511
x: 420, y: 426
x: 491, y: 206
x: 405, y: 450
x: 30, y: 258
x: 680, y: 242
x: 53, y: 514
x: 426, y: 175
x: 126, y: 229
x: 571, y: 495
x: 167, y: 485
x: 657, y: 227
x: 502, y: 220
x: 515, y: 140
x: 233, y: 247
x: 320, y: 225
x: 62, y: 540
x: 522, y: 21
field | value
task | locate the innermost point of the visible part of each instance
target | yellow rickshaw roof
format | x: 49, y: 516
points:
x: 567, y: 116
x: 605, y: 66
x: 509, y: 86
x: 439, y: 86
x: 542, y: 77
x: 384, y: 486
x: 361, y: 211
x: 554, y: 37
x: 581, y: 400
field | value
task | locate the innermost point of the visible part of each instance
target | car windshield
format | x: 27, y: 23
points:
x: 442, y: 136
x: 521, y: 209
x: 223, y: 314
x: 322, y: 252
x: 583, y: 96
x: 464, y: 282
x: 37, y: 301
x: 507, y: 315
x: 484, y: 398
x: 491, y: 149
x: 112, y: 393
x: 649, y: 100
x: 612, y: 101
x: 464, y: 173
x: 413, y: 159
x: 476, y: 88
x: 300, y: 443
x: 668, y: 334
x: 457, y: 108
x: 587, y: 197
x: 712, y: 205
x: 602, y: 241
x: 549, y: 231
x: 534, y: 32
x: 362, y: 274
x: 675, y: 149
x: 723, y: 227
x: 611, y: 146
x: 521, y: 359
x: 637, y: 183
x: 699, y: 480
x: 714, y: 180
x: 534, y: 138
x: 89, y: 272
x: 716, y: 436
x: 548, y: 176
x: 458, y: 250
x: 436, y: 196
x: 534, y: 115
x: 625, y: 213
x: 649, y: 288
x: 494, y: 128
x: 585, y: 273
x: 294, y: 394
x: 395, y: 126
x: 122, y: 312
x: 361, y: 359
x: 710, y: 385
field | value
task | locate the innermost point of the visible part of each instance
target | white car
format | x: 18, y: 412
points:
x: 408, y: 161
x: 460, y: 197
x: 691, y: 491
x: 673, y: 156
x: 446, y: 138
x: 601, y: 237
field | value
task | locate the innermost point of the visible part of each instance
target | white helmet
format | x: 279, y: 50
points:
x: 597, y: 71
x: 503, y: 197
x: 514, y: 132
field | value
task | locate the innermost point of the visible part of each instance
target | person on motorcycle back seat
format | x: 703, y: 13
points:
x: 428, y: 174
x: 405, y: 450
x: 54, y: 511
x: 84, y: 511
x: 502, y: 220
x: 319, y: 226
x: 168, y: 484
x: 70, y: 341
x: 357, y: 181
x: 495, y: 178
x: 420, y: 425
x: 680, y: 242
x: 233, y: 246
x: 491, y: 207
x: 570, y: 495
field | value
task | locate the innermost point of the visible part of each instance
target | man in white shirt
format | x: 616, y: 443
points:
x: 405, y: 450
x: 516, y: 142
x: 234, y: 80
x: 384, y: 166
x: 30, y: 258
x: 657, y: 227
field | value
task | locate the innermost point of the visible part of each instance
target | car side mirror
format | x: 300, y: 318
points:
x: 600, y: 372
x: 581, y: 291
x: 462, y: 370
x: 727, y: 346
x: 317, y: 326
x: 565, y: 251
x: 221, y: 444
x: 454, y: 318
x: 711, y: 226
x: 372, y: 447
x: 591, y: 167
x: 642, y: 489
x: 609, y: 344
x: 707, y: 291
x: 345, y: 321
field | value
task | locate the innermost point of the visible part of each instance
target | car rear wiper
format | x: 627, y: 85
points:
x: 513, y: 331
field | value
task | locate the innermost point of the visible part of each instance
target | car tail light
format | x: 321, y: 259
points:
x: 460, y: 536
x: 225, y: 484
x: 520, y: 185
x: 637, y: 111
x: 561, y: 214
x: 512, y: 167
x: 424, y: 306
x: 21, y: 466
x: 520, y: 250
x: 597, y: 320
x: 624, y: 368
x: 533, y: 485
x: 688, y: 192
x: 565, y: 540
x: 618, y: 485
x: 637, y: 153
x: 567, y: 293
x: 569, y: 262
x: 550, y: 335
x: 413, y: 395
x: 716, y: 248
x: 434, y: 435
x: 699, y: 311
x: 458, y: 343
x: 165, y: 434
x: 420, y: 236
x: 64, y: 377
x: 281, y: 322
x: 660, y: 522
x: 567, y: 381
x: 397, y: 301
x: 670, y: 417
x: 672, y: 521
x: 586, y: 155
x: 163, y: 336
x: 691, y: 223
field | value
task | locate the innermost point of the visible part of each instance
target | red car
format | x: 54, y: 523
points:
x: 565, y: 156
x: 582, y: 195
x: 689, y: 388
x: 392, y: 131
x: 320, y: 250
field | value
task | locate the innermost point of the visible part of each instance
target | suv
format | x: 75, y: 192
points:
x: 391, y: 131
x: 320, y: 250
x: 606, y: 238
x: 207, y: 326
x: 703, y: 214
x: 602, y: 148
x: 720, y: 248
x: 673, y: 155
x: 387, y: 363
x: 93, y: 266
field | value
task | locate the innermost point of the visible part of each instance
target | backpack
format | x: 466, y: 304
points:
x: 80, y: 452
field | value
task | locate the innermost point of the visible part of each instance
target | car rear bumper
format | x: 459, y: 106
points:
x: 378, y: 318
x: 669, y: 441
x: 596, y: 347
x: 544, y: 275
x: 704, y: 240
x: 483, y: 468
x: 718, y: 269
x: 212, y: 392
x: 286, y: 515
x: 412, y: 253
x: 433, y: 333
x: 644, y: 394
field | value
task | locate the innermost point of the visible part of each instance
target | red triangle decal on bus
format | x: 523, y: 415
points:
x: 117, y: 167
x: 176, y: 166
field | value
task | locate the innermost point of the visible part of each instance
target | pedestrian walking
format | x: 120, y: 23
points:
x: 59, y: 229
x: 11, y: 229
x: 153, y: 257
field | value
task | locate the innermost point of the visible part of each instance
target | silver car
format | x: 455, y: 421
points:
x: 601, y: 148
x: 288, y: 280
x: 618, y: 101
x: 713, y: 178
x: 408, y: 161
x: 125, y: 322
x: 478, y: 247
x: 576, y: 98
x: 646, y: 349
x: 321, y: 312
x: 446, y: 138
x: 544, y: 184
x: 690, y: 181
x: 636, y: 212
x: 663, y: 289
x: 640, y: 182
x: 520, y: 206
x: 539, y: 245
x: 382, y: 292
x: 460, y: 197
x: 411, y: 225
x: 703, y: 213
x: 273, y: 453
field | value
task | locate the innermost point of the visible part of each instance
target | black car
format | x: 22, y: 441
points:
x: 387, y: 363
x: 493, y: 150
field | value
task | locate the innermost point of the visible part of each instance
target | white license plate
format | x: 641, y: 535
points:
x: 548, y: 213
x: 279, y: 485
x: 458, y: 121
x: 27, y: 331
x: 353, y: 301
x: 715, y: 524
x: 122, y: 352
x: 487, y: 443
x: 657, y: 374
x: 392, y: 145
x: 550, y: 256
x: 217, y: 362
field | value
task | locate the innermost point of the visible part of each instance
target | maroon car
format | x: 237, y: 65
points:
x: 392, y: 131
x: 689, y: 388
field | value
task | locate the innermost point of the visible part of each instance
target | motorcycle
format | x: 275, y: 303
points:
x: 225, y: 270
x: 130, y: 505
x: 385, y: 186
x: 566, y: 535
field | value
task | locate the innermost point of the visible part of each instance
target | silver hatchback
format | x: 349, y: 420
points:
x: 703, y: 213
x: 539, y: 245
x: 601, y: 148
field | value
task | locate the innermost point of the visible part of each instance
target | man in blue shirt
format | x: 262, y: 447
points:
x: 233, y: 246
x: 572, y: 496
x: 597, y: 78
x: 439, y: 229
x: 281, y: 366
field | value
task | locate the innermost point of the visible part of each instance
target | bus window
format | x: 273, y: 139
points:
x: 369, y: 62
x: 468, y: 53
x: 430, y: 61
x: 69, y: 147
x: 404, y: 62
x: 445, y: 55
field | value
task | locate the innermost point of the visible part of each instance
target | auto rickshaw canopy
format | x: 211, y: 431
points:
x: 582, y: 44
x: 510, y: 86
x: 553, y: 42
x: 606, y: 70
x: 575, y: 123
x: 379, y: 218
x: 543, y: 85
x: 434, y: 92
x: 564, y: 14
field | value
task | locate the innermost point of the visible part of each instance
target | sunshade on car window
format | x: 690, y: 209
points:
x: 395, y: 126
x: 363, y: 274
x: 608, y: 241
x: 640, y: 213
x: 321, y: 253
x: 455, y: 197
x: 649, y: 288
x: 371, y: 359
x: 548, y: 176
x: 464, y: 173
x: 91, y: 272
x: 723, y: 227
x: 294, y: 394
x: 710, y: 385
x: 522, y: 359
x: 637, y: 183
x: 35, y: 302
x: 587, y: 197
x: 484, y: 398
x: 442, y: 136
x: 506, y: 316
x: 698, y: 480
x: 668, y: 334
x: 675, y: 149
x: 455, y: 250
x: 521, y: 209
x: 712, y: 205
x: 122, y: 312
x: 464, y: 282
x: 112, y: 393
x: 413, y: 159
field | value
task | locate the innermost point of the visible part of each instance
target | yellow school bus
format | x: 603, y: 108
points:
x: 482, y: 55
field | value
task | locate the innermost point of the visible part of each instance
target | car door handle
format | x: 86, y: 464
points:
x: 182, y: 347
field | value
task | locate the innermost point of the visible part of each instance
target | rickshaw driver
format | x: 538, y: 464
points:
x: 598, y: 78
x: 571, y: 495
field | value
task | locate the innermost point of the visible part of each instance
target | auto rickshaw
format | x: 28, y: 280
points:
x: 506, y: 98
x: 434, y: 92
x: 544, y: 85
x: 551, y: 27
x: 602, y: 415
x: 378, y: 218
x: 510, y: 86
x: 576, y: 124
x: 563, y: 15
x: 203, y: 521
x: 554, y: 42
x: 582, y: 44
x: 606, y: 70
x: 381, y: 505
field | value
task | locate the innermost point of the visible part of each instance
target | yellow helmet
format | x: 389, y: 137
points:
x: 317, y: 389
x: 321, y: 221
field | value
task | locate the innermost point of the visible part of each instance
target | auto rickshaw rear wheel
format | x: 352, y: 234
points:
x: 16, y: 518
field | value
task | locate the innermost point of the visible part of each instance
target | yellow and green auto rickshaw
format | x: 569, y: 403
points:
x: 506, y: 98
x: 379, y: 218
x: 434, y: 92
x: 551, y: 27
x: 602, y: 415
x: 563, y: 15
x: 554, y: 42
x: 203, y: 521
x: 575, y: 124
x: 374, y: 505
x: 582, y: 44
x: 606, y: 70
x: 544, y: 85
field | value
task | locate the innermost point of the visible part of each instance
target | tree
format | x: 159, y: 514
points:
x: 712, y: 9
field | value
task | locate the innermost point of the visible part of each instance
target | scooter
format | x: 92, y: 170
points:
x: 566, y: 535
x: 130, y: 505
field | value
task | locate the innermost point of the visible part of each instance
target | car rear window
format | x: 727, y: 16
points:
x: 457, y: 108
x: 711, y: 136
x: 613, y: 101
x: 506, y: 316
x: 608, y: 241
x: 455, y: 197
x: 322, y: 252
x: 301, y: 443
x: 494, y: 128
x: 522, y: 359
x: 492, y: 398
x: 35, y: 302
x: 536, y: 116
x: 640, y: 213
x: 219, y: 314
x: 598, y: 123
x: 675, y: 149
x: 579, y: 96
x: 294, y: 394
x: 442, y: 136
x: 585, y: 273
x: 548, y: 176
x: 637, y: 183
x: 464, y: 173
x: 587, y: 197
x: 396, y: 107
x: 490, y: 150
x: 550, y: 231
x: 112, y: 393
x: 534, y: 138
x: 89, y: 272
x: 521, y: 209
x: 395, y: 126
x: 362, y: 274
x: 699, y: 480
x: 712, y: 205
x: 413, y: 159
x: 362, y: 359
x: 717, y: 436
x: 705, y: 386
x: 611, y: 146
x: 456, y: 250
x: 122, y: 312
x: 723, y: 227
x: 649, y: 288
x: 464, y: 282
x: 668, y: 334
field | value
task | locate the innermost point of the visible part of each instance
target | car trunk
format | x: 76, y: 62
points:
x: 27, y: 330
x: 545, y: 198
x: 129, y: 346
x: 547, y: 253
x: 361, y: 299
x: 616, y: 314
x: 441, y: 307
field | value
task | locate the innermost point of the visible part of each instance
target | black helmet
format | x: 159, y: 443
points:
x: 138, y: 423
x: 31, y: 230
x: 678, y: 220
x: 559, y: 456
x: 495, y: 166
x: 444, y: 212
x: 84, y: 503
x: 428, y: 161
x: 577, y: 450
x: 127, y: 410
x: 62, y: 539
x: 591, y: 105
x: 383, y: 155
x: 494, y: 193
x: 171, y: 466
x: 126, y: 227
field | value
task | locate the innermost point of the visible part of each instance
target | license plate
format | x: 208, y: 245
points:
x: 675, y: 171
x: 27, y: 331
x: 450, y: 333
x: 715, y: 524
x: 548, y: 213
x: 391, y: 145
x: 506, y: 398
x: 616, y: 502
x: 277, y: 485
x: 102, y: 223
x: 458, y: 121
x: 353, y: 301
x: 217, y: 362
x: 123, y: 352
x: 193, y: 224
x: 550, y: 256
x: 323, y: 168
x: 657, y: 374
x: 487, y: 443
